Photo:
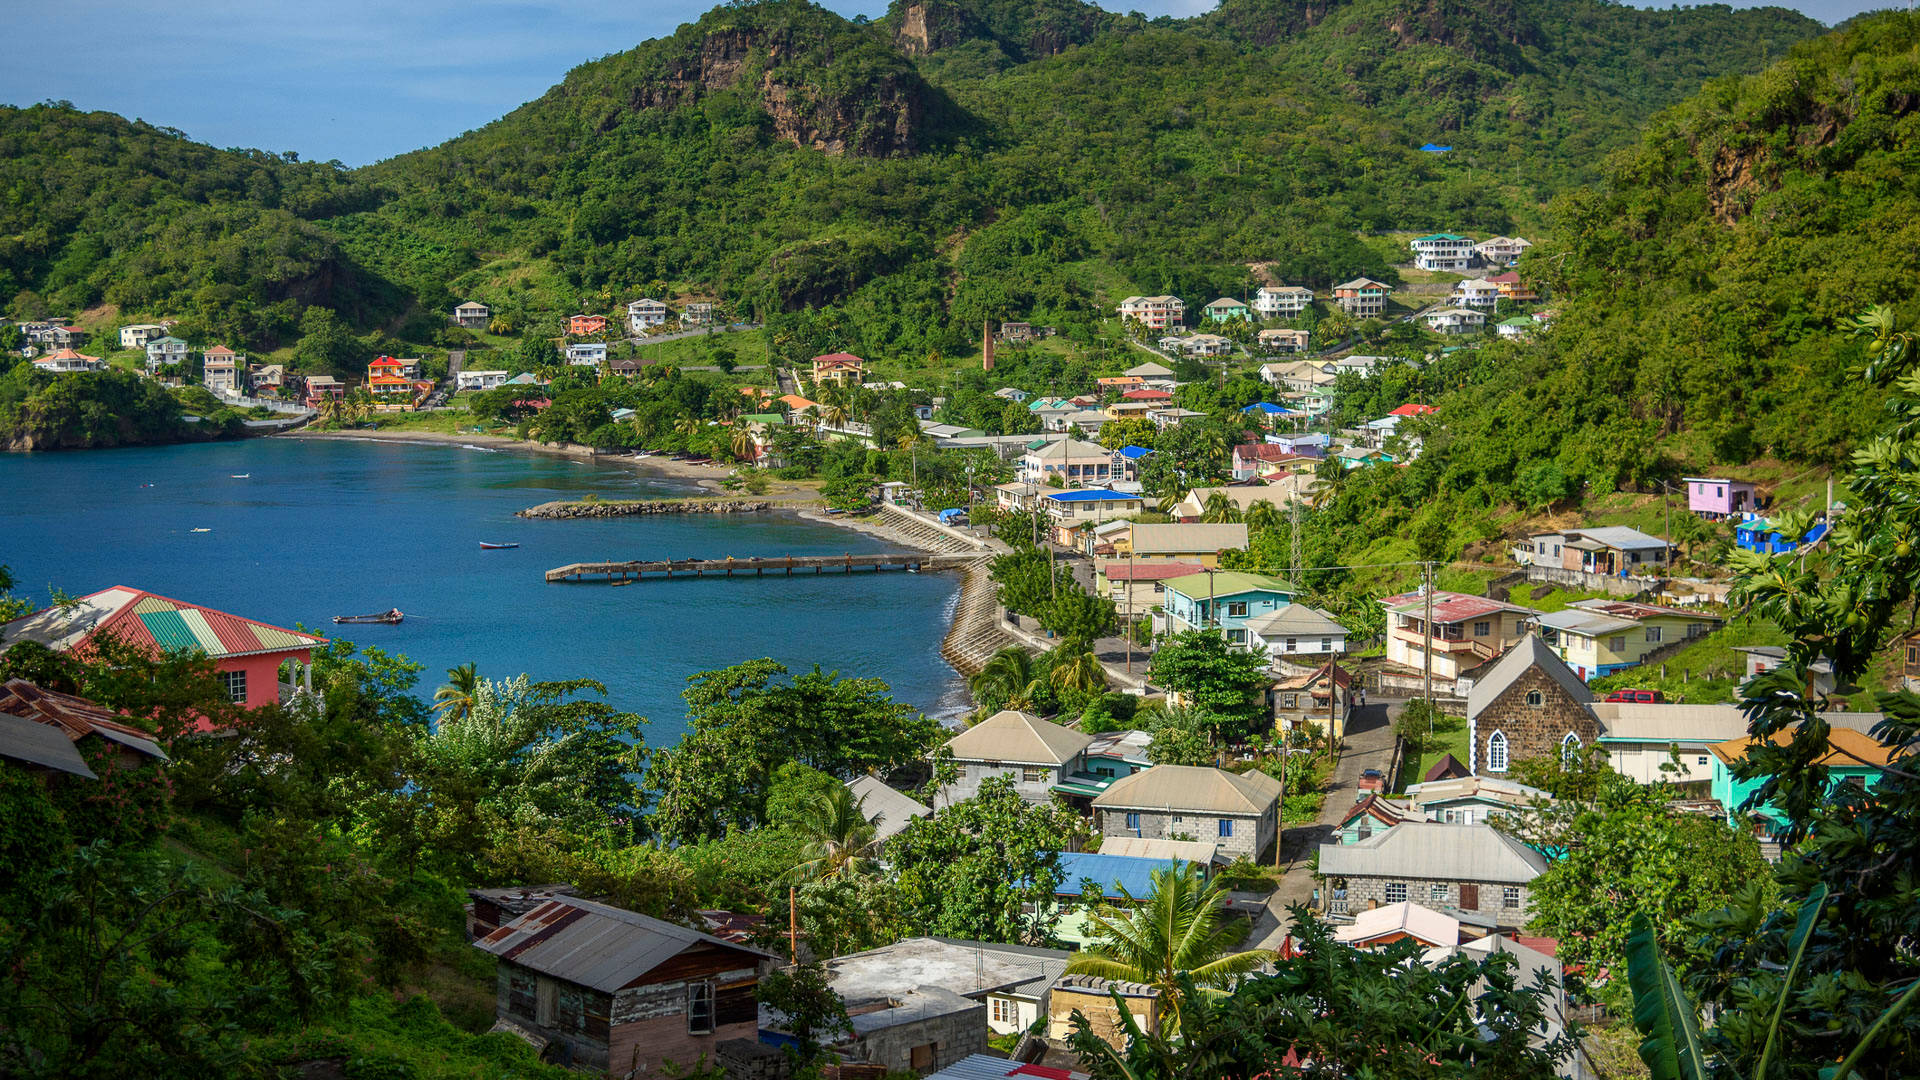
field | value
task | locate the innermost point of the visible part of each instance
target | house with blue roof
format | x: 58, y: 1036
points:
x: 1756, y: 533
x: 1076, y: 508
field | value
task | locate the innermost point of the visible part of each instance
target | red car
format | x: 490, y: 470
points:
x: 1638, y: 697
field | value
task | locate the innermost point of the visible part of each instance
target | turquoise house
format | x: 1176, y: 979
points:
x: 1222, y: 600
x: 1852, y: 758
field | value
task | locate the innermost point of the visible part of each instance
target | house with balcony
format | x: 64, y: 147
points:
x: 165, y: 352
x: 837, y: 369
x: 248, y: 654
x: 1467, y: 631
x: 698, y: 313
x: 1319, y: 701
x: 1206, y: 345
x: 646, y: 313
x: 1362, y: 298
x: 316, y: 390
x: 1037, y: 755
x: 68, y: 362
x: 583, y: 325
x: 472, y: 315
x: 1716, y: 498
x: 1067, y: 463
x: 1223, y: 601
x: 1191, y: 543
x: 1284, y: 342
x: 1154, y: 312
x: 1068, y: 511
x: 1136, y: 588
x: 1298, y: 375
x: 478, y: 380
x: 1455, y: 320
x: 1239, y: 812
x: 1442, y: 251
x: 1250, y: 458
x: 137, y: 335
x: 1282, y: 301
x: 1476, y: 293
x: 220, y: 371
x: 1225, y: 310
x: 587, y: 353
x: 1512, y: 289
x: 1502, y: 250
x: 1601, y: 636
x: 1612, y: 550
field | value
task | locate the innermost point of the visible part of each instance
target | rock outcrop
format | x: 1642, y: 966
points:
x: 633, y: 507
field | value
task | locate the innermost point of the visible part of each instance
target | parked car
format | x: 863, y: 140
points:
x: 1638, y: 697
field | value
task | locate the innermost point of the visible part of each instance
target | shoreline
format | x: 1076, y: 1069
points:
x: 704, y: 477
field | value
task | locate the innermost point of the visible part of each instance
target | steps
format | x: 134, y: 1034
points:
x: 976, y: 633
x: 923, y: 534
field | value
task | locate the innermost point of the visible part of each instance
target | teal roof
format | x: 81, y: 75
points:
x: 1439, y: 236
x: 764, y: 418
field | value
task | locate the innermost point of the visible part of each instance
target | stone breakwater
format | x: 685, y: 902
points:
x: 632, y: 507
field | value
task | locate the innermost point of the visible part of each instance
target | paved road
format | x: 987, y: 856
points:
x: 1369, y: 745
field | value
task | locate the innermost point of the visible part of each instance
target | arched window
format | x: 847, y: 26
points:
x: 1570, y: 748
x: 1536, y: 699
x: 1497, y: 752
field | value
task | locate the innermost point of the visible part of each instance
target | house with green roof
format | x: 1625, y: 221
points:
x: 1223, y: 601
x: 1442, y: 251
x: 1516, y: 327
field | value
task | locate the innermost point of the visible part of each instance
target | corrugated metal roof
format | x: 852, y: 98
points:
x: 596, y: 945
x: 1422, y: 850
x: 1013, y: 736
x: 1221, y: 583
x: 1297, y: 619
x: 144, y: 618
x: 1584, y: 623
x: 1176, y: 539
x: 75, y: 717
x: 1199, y: 851
x: 1196, y: 788
x: 40, y: 744
x: 1114, y: 873
x: 888, y: 809
x: 1531, y: 652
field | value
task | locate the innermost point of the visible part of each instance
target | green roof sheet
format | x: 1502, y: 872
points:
x: 1440, y: 236
x: 764, y: 418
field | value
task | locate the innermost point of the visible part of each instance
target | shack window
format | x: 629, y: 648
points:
x: 700, y: 1009
x: 1033, y: 775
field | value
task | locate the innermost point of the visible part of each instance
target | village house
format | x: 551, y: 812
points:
x: 1194, y: 543
x: 1238, y: 811
x: 1654, y: 742
x: 1405, y: 921
x: 220, y: 371
x: 1517, y: 327
x: 69, y: 361
x: 165, y: 352
x: 1601, y: 636
x: 1502, y: 250
x: 1283, y: 342
x: 1015, y: 333
x: 582, y: 325
x: 838, y: 369
x: 1763, y: 535
x: 1158, y: 376
x: 1610, y: 550
x: 1715, y: 498
x: 1154, y: 312
x: 248, y: 654
x: 391, y: 391
x: 268, y: 378
x: 888, y: 810
x: 1250, y: 458
x: 698, y: 313
x: 587, y: 353
x: 317, y: 390
x: 1298, y: 630
x: 1512, y: 289
x: 1150, y: 396
x: 1207, y: 345
x: 1164, y: 418
x: 1373, y: 813
x: 1319, y: 701
x: 1471, y: 800
x: 1468, y: 631
x: 479, y: 380
x: 1362, y: 298
x: 610, y: 990
x: 1473, y: 870
x: 1225, y: 310
x: 1035, y: 754
x: 1067, y: 462
x: 1110, y: 383
x: 47, y: 731
x: 1136, y: 588
x: 1476, y: 293
x: 1296, y: 374
x: 1310, y: 444
x: 926, y: 1003
x: 1013, y: 394
x: 644, y: 314
x: 137, y: 335
x: 1193, y: 505
x: 1282, y: 301
x: 1455, y: 320
x: 1068, y: 511
x: 1266, y: 413
x: 1442, y: 251
x: 472, y: 315
x: 1853, y: 759
x: 1223, y: 601
x: 1529, y: 705
x: 1129, y: 410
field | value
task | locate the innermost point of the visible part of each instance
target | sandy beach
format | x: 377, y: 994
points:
x: 707, y: 477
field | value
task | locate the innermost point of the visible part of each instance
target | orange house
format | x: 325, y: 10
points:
x: 581, y: 325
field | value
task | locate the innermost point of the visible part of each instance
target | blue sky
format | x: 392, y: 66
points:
x: 361, y: 80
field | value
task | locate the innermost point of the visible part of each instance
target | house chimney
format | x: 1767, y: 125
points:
x: 986, y: 345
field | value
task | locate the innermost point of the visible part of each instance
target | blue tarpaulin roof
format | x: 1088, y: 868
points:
x: 1134, y: 453
x: 1433, y: 149
x: 1267, y: 407
x: 1112, y: 872
x: 1089, y: 495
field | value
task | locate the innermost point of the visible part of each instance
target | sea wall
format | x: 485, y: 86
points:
x: 632, y: 507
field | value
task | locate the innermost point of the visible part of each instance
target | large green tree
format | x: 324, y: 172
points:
x: 986, y: 868
x: 1212, y: 675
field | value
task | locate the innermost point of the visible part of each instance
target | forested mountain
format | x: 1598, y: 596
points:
x: 886, y: 185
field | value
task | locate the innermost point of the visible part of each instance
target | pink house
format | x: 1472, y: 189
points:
x: 1714, y: 498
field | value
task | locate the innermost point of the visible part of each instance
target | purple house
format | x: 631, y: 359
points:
x: 1714, y: 498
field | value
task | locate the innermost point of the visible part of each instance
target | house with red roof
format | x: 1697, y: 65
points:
x: 838, y: 368
x: 1467, y: 631
x: 1412, y: 409
x: 580, y: 325
x: 46, y: 730
x: 1147, y: 394
x: 248, y: 653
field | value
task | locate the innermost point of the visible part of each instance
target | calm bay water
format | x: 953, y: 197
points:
x: 323, y: 528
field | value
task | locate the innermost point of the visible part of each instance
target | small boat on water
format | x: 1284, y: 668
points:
x: 623, y: 581
x: 496, y: 547
x: 202, y: 530
x: 240, y: 476
x: 390, y: 616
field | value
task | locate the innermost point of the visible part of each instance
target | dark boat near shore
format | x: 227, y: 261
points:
x: 496, y: 547
x: 390, y: 616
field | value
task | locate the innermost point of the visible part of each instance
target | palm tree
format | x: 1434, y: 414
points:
x: 742, y: 444
x: 1262, y: 516
x: 833, y: 414
x: 1080, y: 671
x: 1178, y: 928
x: 688, y: 427
x: 840, y: 838
x: 1219, y: 509
x: 1009, y: 677
x: 455, y: 700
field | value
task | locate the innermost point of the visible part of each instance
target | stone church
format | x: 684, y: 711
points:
x: 1529, y: 704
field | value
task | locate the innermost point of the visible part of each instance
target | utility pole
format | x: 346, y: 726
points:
x: 1426, y: 689
x: 1127, y: 630
x: 793, y: 925
x: 1294, y: 571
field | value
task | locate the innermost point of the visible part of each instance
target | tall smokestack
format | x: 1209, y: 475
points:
x: 986, y: 345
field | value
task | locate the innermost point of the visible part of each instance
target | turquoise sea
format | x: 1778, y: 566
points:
x: 320, y: 528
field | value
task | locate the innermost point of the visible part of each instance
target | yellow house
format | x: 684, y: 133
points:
x: 1198, y: 544
x: 1602, y: 636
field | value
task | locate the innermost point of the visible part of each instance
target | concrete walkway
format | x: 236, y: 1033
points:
x: 1368, y: 745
